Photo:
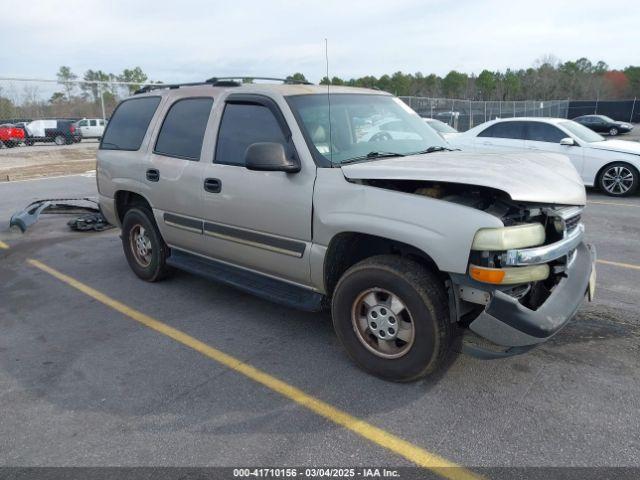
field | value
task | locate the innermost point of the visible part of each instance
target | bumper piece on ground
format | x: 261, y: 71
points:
x: 507, y: 322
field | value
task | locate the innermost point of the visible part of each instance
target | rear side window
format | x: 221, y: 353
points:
x: 511, y: 130
x: 243, y: 124
x: 183, y: 128
x: 129, y: 124
x: 543, y: 132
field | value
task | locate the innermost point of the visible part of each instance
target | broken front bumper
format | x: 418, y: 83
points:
x: 507, y: 322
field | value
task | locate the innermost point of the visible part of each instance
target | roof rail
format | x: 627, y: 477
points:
x: 242, y: 78
x: 234, y: 81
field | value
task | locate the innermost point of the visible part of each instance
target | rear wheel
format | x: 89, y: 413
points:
x: 59, y: 140
x: 619, y: 179
x: 143, y: 245
x: 391, y: 315
x: 613, y: 131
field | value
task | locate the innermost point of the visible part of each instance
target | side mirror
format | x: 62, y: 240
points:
x: 568, y: 142
x: 269, y: 157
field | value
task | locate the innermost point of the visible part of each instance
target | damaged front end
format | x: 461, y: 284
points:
x: 524, y: 281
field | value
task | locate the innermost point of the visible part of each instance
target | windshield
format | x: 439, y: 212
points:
x: 439, y: 126
x: 581, y: 132
x: 361, y: 124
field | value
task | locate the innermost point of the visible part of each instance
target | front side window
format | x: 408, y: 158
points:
x: 242, y: 125
x: 361, y: 124
x: 543, y: 132
x: 581, y: 132
x: 182, y: 131
x: 83, y: 123
x: 129, y: 124
x: 507, y: 130
x: 93, y: 123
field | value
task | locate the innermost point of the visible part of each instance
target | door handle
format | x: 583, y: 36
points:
x: 213, y: 185
x: 153, y: 175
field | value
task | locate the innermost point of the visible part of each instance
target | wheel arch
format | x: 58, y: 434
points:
x: 350, y: 247
x: 126, y: 199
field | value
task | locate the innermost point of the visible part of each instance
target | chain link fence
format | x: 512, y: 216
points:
x: 465, y: 114
x: 24, y: 99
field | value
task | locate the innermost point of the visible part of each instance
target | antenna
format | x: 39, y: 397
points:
x: 326, y: 56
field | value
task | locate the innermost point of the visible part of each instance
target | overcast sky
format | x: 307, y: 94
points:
x: 185, y: 40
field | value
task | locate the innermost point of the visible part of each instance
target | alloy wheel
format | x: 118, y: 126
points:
x: 617, y: 180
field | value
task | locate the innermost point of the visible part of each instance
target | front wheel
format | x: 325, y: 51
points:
x: 143, y: 245
x: 619, y: 179
x: 613, y: 131
x: 391, y: 315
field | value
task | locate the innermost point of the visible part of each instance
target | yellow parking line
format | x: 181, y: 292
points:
x: 619, y: 264
x: 411, y: 452
x: 614, y: 203
x: 3, y: 245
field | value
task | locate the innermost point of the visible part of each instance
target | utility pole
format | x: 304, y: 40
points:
x: 104, y: 117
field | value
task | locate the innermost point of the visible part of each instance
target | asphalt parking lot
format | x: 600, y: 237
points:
x: 85, y: 382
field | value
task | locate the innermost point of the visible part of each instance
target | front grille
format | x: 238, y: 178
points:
x: 572, y: 223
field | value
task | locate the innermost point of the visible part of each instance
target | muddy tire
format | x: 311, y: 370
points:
x: 391, y: 315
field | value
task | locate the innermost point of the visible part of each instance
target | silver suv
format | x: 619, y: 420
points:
x: 349, y: 201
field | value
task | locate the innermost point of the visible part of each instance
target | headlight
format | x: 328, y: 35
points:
x: 506, y: 238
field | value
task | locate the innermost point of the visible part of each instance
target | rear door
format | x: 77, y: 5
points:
x: 502, y: 137
x: 174, y: 170
x: 258, y: 220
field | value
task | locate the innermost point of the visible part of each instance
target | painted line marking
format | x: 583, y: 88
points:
x: 3, y: 245
x: 613, y: 203
x: 380, y: 437
x: 619, y: 264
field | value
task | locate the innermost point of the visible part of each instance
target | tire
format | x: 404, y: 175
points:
x: 619, y: 179
x: 59, y: 140
x: 426, y: 311
x: 613, y: 131
x: 138, y: 222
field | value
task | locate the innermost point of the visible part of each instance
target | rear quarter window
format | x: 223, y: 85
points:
x: 129, y: 124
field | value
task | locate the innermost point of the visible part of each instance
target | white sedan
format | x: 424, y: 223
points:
x: 611, y: 165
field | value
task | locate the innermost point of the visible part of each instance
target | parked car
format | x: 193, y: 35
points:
x: 442, y: 128
x: 91, y: 127
x: 10, y: 135
x: 611, y: 165
x: 403, y: 239
x: 61, y: 132
x: 604, y: 124
x: 389, y: 129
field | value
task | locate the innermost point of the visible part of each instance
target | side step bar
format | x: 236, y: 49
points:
x: 259, y: 285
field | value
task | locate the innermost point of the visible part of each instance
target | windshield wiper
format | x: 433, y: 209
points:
x: 435, y: 148
x: 372, y: 156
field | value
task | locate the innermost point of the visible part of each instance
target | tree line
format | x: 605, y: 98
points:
x: 547, y: 79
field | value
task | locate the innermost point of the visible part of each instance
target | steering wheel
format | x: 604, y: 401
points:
x: 380, y: 137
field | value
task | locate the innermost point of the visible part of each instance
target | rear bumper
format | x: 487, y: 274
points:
x: 507, y: 322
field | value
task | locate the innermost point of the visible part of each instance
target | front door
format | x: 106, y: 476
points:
x: 544, y: 137
x: 254, y: 219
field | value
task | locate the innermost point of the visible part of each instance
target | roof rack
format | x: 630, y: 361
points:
x: 242, y: 78
x: 234, y: 81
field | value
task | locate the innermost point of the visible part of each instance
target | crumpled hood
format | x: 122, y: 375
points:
x: 526, y: 177
x: 623, y: 146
